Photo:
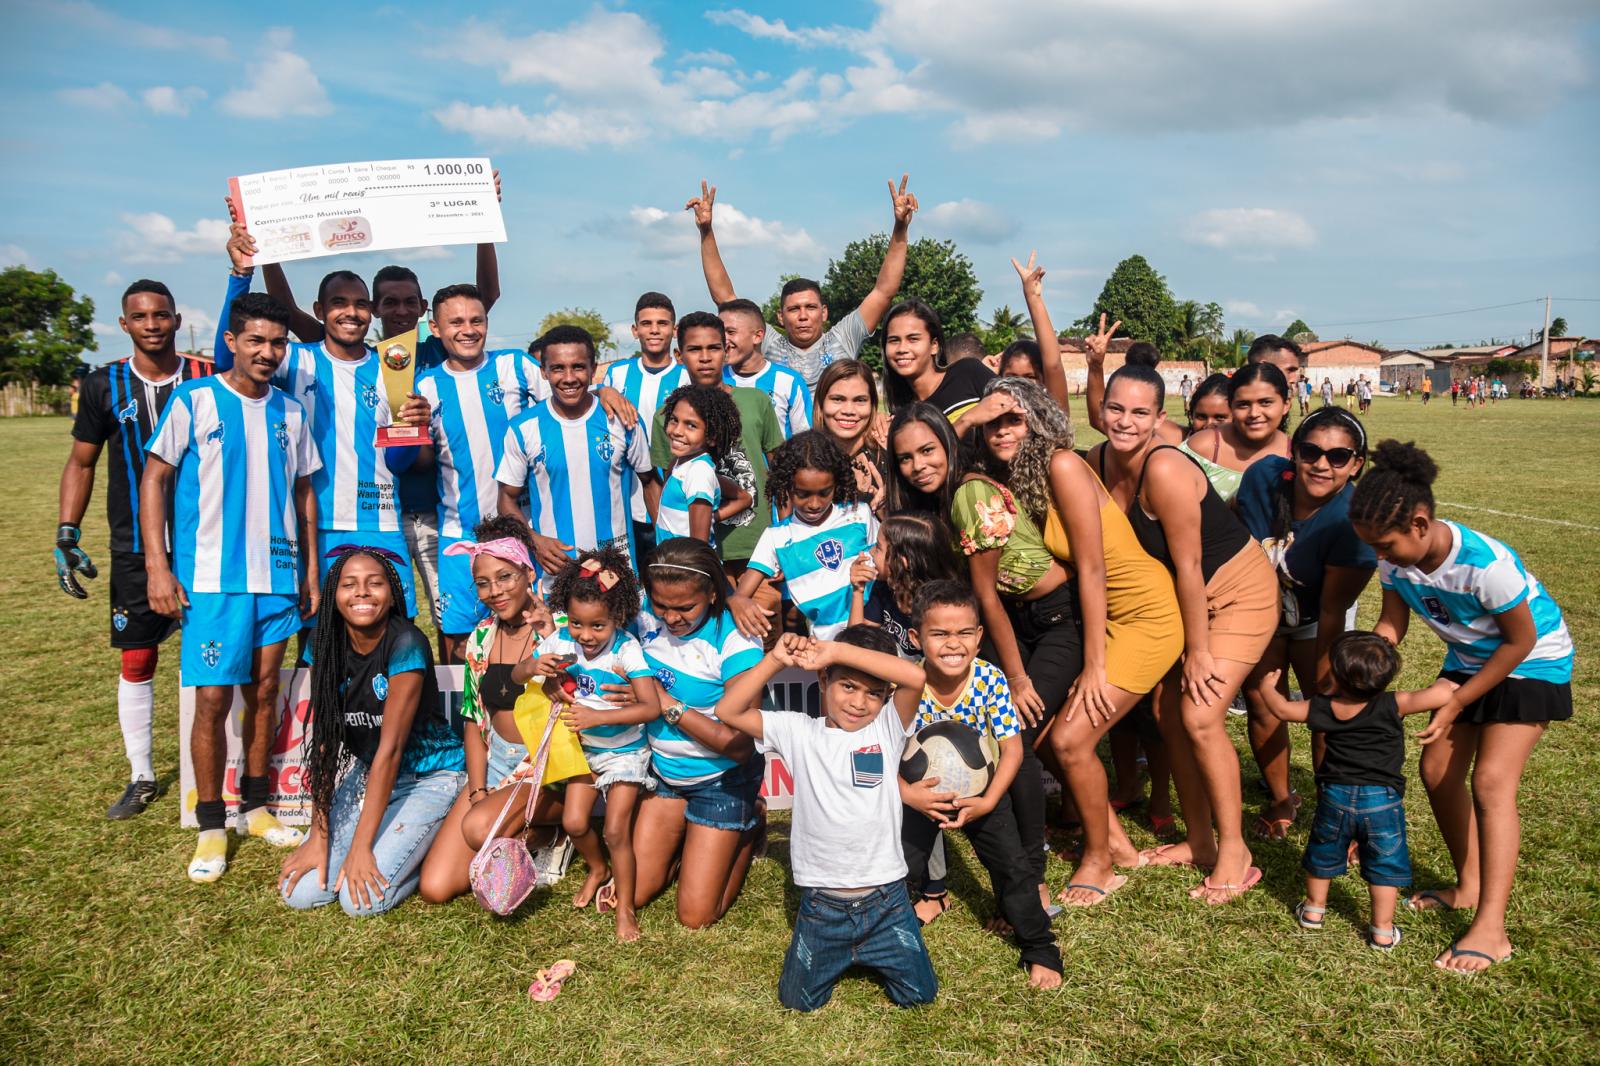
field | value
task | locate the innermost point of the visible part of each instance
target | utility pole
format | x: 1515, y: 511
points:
x: 192, y: 350
x: 1544, y: 345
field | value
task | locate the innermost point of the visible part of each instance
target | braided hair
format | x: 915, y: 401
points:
x: 573, y: 584
x: 1028, y: 473
x: 811, y: 450
x: 1322, y: 418
x: 325, y: 756
x: 716, y: 409
x: 1399, y: 483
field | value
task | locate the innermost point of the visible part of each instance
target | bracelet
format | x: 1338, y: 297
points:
x: 247, y: 272
x: 481, y: 788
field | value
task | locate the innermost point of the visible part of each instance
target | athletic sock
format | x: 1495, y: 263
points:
x: 252, y: 793
x: 210, y: 856
x: 136, y: 703
x: 211, y: 814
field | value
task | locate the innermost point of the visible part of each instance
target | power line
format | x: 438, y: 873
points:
x: 1436, y: 314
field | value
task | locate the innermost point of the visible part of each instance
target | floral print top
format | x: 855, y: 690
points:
x: 986, y: 518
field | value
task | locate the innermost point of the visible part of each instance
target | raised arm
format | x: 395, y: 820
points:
x: 906, y: 677
x: 303, y: 325
x: 893, y: 269
x: 740, y: 705
x: 717, y: 279
x: 489, y: 263
x: 1281, y: 706
x: 1094, y: 358
x: 1055, y: 375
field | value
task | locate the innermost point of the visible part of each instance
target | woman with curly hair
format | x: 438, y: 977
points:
x: 382, y: 765
x: 702, y: 427
x: 825, y: 530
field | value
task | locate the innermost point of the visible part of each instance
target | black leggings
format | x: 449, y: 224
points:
x: 1051, y: 643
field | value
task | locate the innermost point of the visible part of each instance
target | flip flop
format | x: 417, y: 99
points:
x: 1157, y: 856
x: 1163, y: 824
x: 1116, y: 882
x: 605, y: 897
x: 547, y: 985
x: 1453, y: 951
x: 942, y: 899
x: 1126, y: 805
x: 1272, y: 828
x: 1436, y: 902
x: 1309, y: 915
x: 1393, y: 933
x: 1252, y: 877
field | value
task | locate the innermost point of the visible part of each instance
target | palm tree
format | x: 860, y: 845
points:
x: 1004, y: 320
x: 1238, y: 344
x: 1189, y: 328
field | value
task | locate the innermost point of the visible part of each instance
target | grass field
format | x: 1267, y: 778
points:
x: 108, y: 954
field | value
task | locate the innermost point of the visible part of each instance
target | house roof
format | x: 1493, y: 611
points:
x: 1322, y: 346
x: 1558, y: 345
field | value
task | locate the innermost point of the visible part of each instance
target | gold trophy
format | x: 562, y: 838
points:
x: 397, y: 363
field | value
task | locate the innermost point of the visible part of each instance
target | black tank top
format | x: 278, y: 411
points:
x: 1222, y: 535
x: 497, y: 691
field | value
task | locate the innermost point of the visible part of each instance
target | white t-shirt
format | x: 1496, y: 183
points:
x: 845, y: 826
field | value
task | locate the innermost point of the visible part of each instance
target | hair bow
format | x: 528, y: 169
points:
x: 592, y: 568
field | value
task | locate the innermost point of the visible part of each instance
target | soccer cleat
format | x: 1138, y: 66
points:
x: 210, y: 860
x: 135, y: 798
x: 262, y: 823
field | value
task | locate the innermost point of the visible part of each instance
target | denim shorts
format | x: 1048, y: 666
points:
x: 724, y: 802
x: 1374, y: 816
x: 504, y: 755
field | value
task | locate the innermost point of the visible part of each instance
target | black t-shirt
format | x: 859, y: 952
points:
x: 880, y: 610
x: 962, y: 387
x: 119, y: 407
x: 432, y: 744
x: 1368, y: 749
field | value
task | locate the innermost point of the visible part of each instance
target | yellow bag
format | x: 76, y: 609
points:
x: 566, y: 759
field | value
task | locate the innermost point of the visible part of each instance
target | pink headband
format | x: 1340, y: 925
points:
x: 508, y: 548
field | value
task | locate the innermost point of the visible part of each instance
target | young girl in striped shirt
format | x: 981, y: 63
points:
x: 702, y: 427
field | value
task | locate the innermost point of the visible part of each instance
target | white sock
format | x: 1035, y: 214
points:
x: 136, y: 707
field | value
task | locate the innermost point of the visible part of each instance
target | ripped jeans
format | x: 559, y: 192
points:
x: 877, y: 930
x: 416, y: 809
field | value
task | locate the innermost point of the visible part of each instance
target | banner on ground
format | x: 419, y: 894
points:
x: 792, y: 690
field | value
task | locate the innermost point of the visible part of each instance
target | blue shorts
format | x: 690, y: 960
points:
x: 390, y: 541
x: 727, y: 801
x: 222, y: 631
x: 460, y: 610
x: 1374, y: 816
x: 504, y: 756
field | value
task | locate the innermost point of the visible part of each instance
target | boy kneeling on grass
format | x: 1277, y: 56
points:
x: 845, y: 835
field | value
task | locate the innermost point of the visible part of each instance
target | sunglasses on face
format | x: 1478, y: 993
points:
x: 1309, y: 453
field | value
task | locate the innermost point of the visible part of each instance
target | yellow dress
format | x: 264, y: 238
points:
x: 1144, y: 630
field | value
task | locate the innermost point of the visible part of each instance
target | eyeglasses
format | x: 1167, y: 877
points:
x: 1309, y: 453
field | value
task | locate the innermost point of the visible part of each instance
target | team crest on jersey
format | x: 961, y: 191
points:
x: 369, y: 396
x: 586, y: 685
x: 119, y: 618
x: 281, y: 430
x: 1435, y: 608
x: 443, y: 602
x: 496, y: 393
x: 380, y: 686
x: 130, y: 412
x: 604, y: 448
x: 830, y: 553
x: 211, y: 653
x: 218, y: 433
x: 666, y: 677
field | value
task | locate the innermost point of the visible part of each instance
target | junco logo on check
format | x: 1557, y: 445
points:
x: 340, y: 234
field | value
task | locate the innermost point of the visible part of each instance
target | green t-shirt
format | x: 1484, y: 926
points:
x: 758, y: 434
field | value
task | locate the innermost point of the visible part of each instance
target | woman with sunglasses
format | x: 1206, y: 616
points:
x: 1299, y: 509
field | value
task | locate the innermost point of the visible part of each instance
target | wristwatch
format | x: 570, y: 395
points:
x: 672, y: 713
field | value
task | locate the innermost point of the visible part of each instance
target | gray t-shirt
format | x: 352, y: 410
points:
x: 842, y: 341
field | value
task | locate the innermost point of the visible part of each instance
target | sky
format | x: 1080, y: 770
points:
x: 1352, y: 163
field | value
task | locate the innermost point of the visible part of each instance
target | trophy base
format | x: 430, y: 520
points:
x: 401, y: 437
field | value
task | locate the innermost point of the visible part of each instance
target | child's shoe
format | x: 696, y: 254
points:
x: 1309, y: 915
x: 1391, y: 935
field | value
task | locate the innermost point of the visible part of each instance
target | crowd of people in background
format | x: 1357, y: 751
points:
x: 623, y: 560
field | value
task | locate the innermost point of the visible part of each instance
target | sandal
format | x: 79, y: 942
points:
x: 1116, y: 882
x: 547, y: 985
x: 1252, y: 877
x: 605, y: 898
x: 942, y: 899
x: 1428, y: 900
x: 1309, y: 915
x: 1163, y: 825
x: 1373, y: 933
x: 1272, y: 828
x: 1454, y: 950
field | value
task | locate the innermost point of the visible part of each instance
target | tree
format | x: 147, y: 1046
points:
x: 586, y: 318
x: 1005, y: 326
x: 1300, y: 333
x: 937, y: 273
x: 1139, y: 297
x: 45, y: 327
x: 1232, y: 352
x: 1558, y: 327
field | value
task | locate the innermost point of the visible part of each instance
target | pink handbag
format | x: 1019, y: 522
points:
x: 503, y: 873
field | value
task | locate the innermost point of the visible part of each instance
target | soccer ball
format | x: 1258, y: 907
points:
x: 962, y: 759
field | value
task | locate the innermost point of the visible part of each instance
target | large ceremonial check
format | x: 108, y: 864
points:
x: 791, y: 690
x: 350, y: 207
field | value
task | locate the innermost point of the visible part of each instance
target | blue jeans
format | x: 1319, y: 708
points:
x: 724, y: 802
x: 878, y: 931
x: 416, y: 810
x: 1374, y: 816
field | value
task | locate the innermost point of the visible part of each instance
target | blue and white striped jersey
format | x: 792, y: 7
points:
x: 234, y: 526
x: 617, y: 665
x: 472, y: 409
x: 791, y: 399
x: 647, y: 390
x: 578, y: 473
x: 693, y: 669
x: 691, y: 480
x: 815, y: 562
x: 345, y: 406
x: 1479, y: 579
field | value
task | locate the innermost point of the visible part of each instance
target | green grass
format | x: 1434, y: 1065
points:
x: 107, y: 953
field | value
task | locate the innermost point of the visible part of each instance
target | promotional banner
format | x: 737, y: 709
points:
x: 791, y: 690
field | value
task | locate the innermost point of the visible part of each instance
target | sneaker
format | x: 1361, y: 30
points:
x: 262, y: 823
x: 210, y: 860
x: 135, y: 798
x: 1237, y: 707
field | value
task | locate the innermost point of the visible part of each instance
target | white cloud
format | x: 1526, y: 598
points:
x: 112, y: 278
x: 204, y: 324
x: 14, y: 255
x: 152, y: 237
x: 971, y: 220
x: 166, y: 100
x: 708, y: 57
x: 102, y: 97
x: 778, y: 30
x: 501, y: 124
x: 137, y: 35
x: 1243, y: 308
x: 282, y: 85
x: 665, y: 234
x: 1250, y: 229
